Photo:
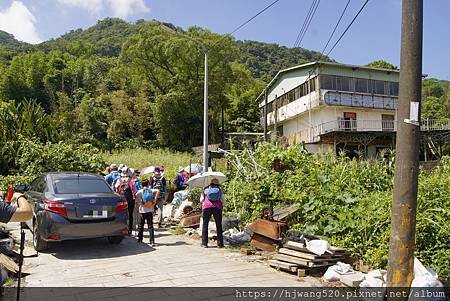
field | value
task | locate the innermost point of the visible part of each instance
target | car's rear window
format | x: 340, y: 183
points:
x: 66, y: 186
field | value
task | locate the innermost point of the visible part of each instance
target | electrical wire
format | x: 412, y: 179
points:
x: 245, y: 23
x: 251, y: 19
x: 334, y: 30
x: 309, y: 22
x: 348, y: 27
x: 311, y: 7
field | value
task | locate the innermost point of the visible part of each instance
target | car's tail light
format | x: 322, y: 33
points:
x: 55, y: 207
x: 124, y: 232
x: 122, y: 205
x: 53, y: 236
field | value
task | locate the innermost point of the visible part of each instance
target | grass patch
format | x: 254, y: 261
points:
x: 9, y: 282
x: 171, y: 160
x: 178, y: 230
x: 141, y: 158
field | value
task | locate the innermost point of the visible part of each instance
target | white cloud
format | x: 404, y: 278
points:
x: 118, y: 8
x: 19, y: 21
x: 93, y: 6
x: 125, y: 8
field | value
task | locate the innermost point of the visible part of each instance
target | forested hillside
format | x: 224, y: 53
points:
x: 8, y: 42
x: 119, y: 83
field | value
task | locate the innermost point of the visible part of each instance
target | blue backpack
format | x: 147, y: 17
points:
x: 213, y: 193
x: 147, y: 198
x: 115, y: 176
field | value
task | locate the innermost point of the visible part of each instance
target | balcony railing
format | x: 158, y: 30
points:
x: 349, y: 99
x: 343, y: 125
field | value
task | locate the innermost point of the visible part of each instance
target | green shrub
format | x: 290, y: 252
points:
x: 348, y: 202
x: 34, y: 158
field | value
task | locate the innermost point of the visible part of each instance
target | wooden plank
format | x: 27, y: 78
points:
x: 8, y: 263
x: 271, y: 229
x: 286, y: 266
x: 309, y: 256
x: 335, y: 251
x: 264, y: 243
x: 282, y: 212
x: 295, y: 245
x: 292, y: 259
x: 298, y: 254
x: 314, y: 271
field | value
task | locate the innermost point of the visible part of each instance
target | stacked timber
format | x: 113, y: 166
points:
x: 296, y: 258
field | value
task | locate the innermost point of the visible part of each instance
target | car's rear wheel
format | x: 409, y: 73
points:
x: 38, y: 243
x: 115, y: 240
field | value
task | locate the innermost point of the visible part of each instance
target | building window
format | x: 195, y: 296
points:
x: 328, y: 82
x: 280, y: 132
x: 393, y: 89
x: 343, y: 83
x: 313, y: 84
x: 348, y: 123
x: 378, y: 87
x: 361, y: 85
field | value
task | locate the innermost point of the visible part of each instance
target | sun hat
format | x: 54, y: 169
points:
x: 124, y: 171
x: 180, y: 169
x: 215, y: 181
x: 113, y: 166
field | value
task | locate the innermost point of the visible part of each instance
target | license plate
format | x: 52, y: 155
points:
x: 97, y: 214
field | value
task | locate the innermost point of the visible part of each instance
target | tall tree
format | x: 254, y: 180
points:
x: 382, y: 64
x: 169, y: 66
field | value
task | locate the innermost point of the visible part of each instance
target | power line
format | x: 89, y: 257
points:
x: 334, y: 30
x: 309, y: 22
x: 246, y: 22
x: 249, y: 20
x: 304, y: 22
x: 349, y: 25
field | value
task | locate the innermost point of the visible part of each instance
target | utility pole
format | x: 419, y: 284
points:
x: 223, y: 125
x: 275, y: 124
x: 403, y: 216
x: 265, y: 114
x: 205, y: 116
x: 205, y: 95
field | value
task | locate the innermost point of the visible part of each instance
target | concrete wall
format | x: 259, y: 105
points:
x: 299, y: 128
x: 285, y: 83
x: 294, y: 108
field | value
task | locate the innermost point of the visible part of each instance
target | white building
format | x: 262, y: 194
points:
x: 333, y: 106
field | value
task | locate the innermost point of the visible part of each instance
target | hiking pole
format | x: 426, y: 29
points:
x: 22, y: 245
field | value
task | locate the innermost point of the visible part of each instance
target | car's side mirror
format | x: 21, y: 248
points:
x: 21, y: 188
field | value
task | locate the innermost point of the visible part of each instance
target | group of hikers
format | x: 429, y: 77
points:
x: 149, y: 194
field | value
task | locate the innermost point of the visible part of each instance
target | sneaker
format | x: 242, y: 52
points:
x: 203, y: 246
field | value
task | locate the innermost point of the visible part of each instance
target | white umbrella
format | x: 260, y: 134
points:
x: 150, y: 169
x: 204, y: 179
x: 195, y: 168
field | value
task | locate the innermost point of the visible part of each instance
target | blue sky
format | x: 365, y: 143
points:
x: 375, y: 35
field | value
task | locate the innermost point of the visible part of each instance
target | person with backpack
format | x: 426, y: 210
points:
x: 180, y: 180
x: 113, y: 175
x: 212, y: 200
x: 145, y: 199
x: 159, y: 183
x: 123, y: 188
